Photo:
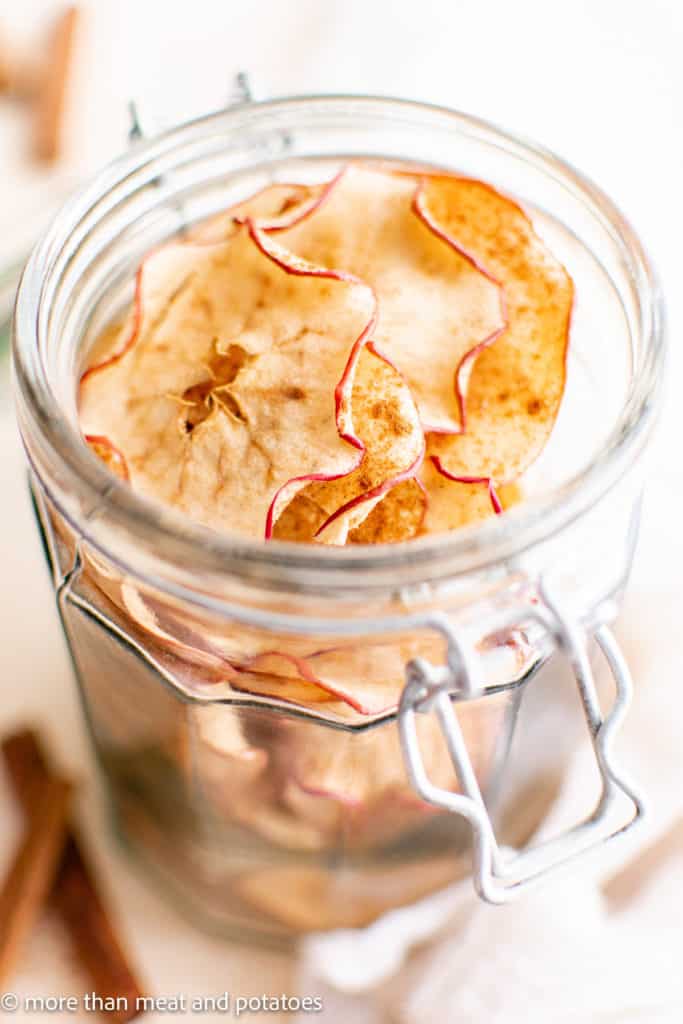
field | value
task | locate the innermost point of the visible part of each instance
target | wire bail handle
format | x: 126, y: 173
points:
x: 500, y: 875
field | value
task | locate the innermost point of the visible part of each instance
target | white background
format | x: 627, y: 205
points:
x: 600, y: 82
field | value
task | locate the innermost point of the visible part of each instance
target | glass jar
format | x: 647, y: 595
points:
x: 268, y: 808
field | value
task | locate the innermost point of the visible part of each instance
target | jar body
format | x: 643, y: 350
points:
x: 264, y: 822
x: 243, y: 699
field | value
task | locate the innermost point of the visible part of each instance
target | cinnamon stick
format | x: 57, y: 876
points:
x: 51, y: 98
x: 32, y: 872
x: 75, y: 894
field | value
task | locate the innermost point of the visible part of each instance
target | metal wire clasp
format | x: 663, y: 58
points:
x: 498, y: 874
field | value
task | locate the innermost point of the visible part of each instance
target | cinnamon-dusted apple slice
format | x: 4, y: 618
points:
x: 334, y: 677
x: 515, y: 387
x: 389, y: 427
x: 399, y: 516
x: 453, y: 502
x: 436, y: 305
x: 230, y: 387
x: 435, y: 501
x: 301, y: 520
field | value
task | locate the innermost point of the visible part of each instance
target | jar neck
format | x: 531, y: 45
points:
x: 82, y: 271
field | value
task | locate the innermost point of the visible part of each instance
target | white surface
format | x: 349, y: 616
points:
x: 600, y: 82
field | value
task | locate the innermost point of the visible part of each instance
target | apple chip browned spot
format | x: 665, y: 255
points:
x: 435, y: 306
x: 230, y: 380
x: 389, y: 427
x: 515, y: 387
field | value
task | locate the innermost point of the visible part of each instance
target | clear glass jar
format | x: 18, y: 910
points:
x: 266, y: 817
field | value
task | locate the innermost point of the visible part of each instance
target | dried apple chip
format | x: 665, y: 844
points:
x: 515, y: 387
x: 433, y: 502
x: 230, y: 387
x: 436, y: 305
x: 363, y: 677
x: 389, y: 427
x: 291, y: 681
x: 109, y: 455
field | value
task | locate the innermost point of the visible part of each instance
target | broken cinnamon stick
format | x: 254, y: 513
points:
x: 75, y: 894
x: 33, y: 871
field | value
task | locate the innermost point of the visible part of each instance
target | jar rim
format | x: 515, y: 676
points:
x: 129, y: 528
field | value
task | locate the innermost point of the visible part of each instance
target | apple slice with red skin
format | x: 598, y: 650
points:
x: 272, y: 203
x: 360, y: 770
x: 497, y: 237
x: 435, y: 501
x: 240, y: 781
x: 437, y: 306
x: 362, y: 825
x: 366, y: 678
x: 514, y: 388
x: 273, y: 425
x: 389, y: 427
x: 494, y: 236
x: 313, y: 679
x: 354, y: 678
x: 278, y: 203
x: 432, y: 502
x: 108, y: 454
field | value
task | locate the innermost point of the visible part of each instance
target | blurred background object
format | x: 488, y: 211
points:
x: 41, y: 80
